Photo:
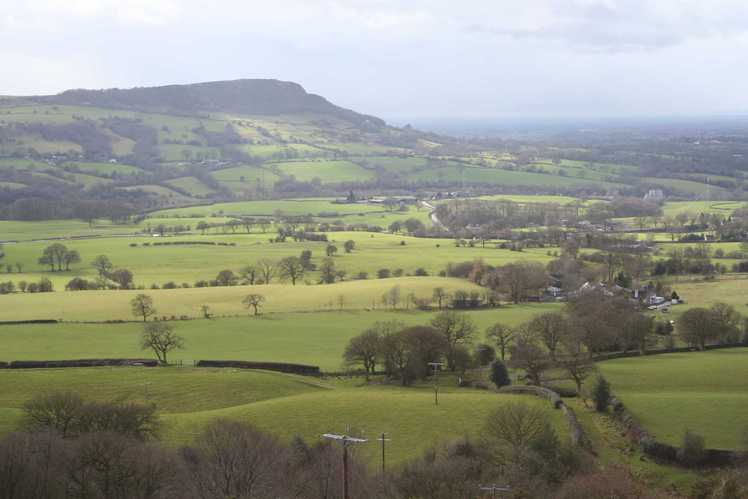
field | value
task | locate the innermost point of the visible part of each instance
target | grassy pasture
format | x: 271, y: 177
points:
x: 306, y: 338
x: 706, y: 392
x: 472, y: 174
x: 684, y: 186
x: 13, y: 230
x: 191, y: 185
x: 284, y: 405
x: 114, y: 305
x: 189, y: 263
x: 104, y: 168
x: 328, y: 171
x: 672, y: 208
x: 291, y: 207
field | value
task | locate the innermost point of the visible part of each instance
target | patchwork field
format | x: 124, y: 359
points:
x: 705, y: 392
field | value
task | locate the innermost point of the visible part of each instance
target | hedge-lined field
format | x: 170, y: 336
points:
x: 302, y: 338
x: 705, y: 392
x: 285, y: 405
x: 98, y: 306
x: 158, y: 262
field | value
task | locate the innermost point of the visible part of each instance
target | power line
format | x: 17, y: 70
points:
x: 494, y: 489
x: 346, y: 441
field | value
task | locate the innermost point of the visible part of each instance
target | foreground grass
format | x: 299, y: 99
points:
x: 284, y: 405
x: 306, y: 338
x: 705, y: 392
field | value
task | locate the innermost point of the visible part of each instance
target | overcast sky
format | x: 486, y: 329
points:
x: 395, y: 59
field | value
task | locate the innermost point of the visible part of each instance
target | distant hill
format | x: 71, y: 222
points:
x: 246, y: 96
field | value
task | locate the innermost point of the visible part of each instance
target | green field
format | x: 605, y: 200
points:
x: 327, y: 171
x: 306, y: 338
x: 284, y: 405
x: 189, y: 263
x: 705, y: 392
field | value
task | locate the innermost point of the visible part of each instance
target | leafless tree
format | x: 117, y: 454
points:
x: 161, y: 338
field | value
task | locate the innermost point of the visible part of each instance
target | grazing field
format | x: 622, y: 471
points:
x: 673, y: 208
x: 187, y: 263
x: 284, y: 405
x: 705, y: 392
x: 479, y: 175
x: 288, y: 207
x: 191, y: 185
x: 223, y: 300
x: 731, y: 290
x: 13, y: 230
x: 327, y: 171
x: 305, y: 338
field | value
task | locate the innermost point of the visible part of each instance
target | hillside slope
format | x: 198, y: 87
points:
x: 245, y: 96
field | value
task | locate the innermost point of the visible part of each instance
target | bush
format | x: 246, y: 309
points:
x: 383, y: 273
x: 421, y: 272
x: 499, y: 374
x: 691, y: 451
x: 601, y: 394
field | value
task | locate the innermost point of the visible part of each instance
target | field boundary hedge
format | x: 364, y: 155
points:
x: 576, y: 433
x: 30, y: 321
x: 44, y: 364
x: 660, y: 351
x: 666, y: 452
x: 283, y: 367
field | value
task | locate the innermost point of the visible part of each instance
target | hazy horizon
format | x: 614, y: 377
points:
x: 541, y: 59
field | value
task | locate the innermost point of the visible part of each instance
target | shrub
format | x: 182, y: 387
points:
x: 170, y: 285
x: 499, y: 374
x: 383, y: 273
x: 691, y: 451
x: 421, y: 272
x: 601, y: 394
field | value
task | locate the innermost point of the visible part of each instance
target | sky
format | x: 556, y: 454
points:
x: 399, y: 59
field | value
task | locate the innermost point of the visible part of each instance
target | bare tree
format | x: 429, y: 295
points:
x: 440, y: 297
x: 161, y: 338
x: 364, y: 349
x: 102, y: 265
x: 142, y: 306
x: 291, y: 268
x: 254, y: 301
x: 267, y: 269
x: 502, y: 336
x: 457, y: 328
x: 520, y: 279
x: 550, y: 328
x: 529, y: 356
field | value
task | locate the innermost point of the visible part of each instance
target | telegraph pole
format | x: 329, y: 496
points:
x: 494, y: 489
x: 346, y: 441
x: 436, y: 366
x: 383, y: 439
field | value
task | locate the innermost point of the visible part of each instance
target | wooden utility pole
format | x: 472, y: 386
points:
x: 383, y: 439
x: 346, y: 441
